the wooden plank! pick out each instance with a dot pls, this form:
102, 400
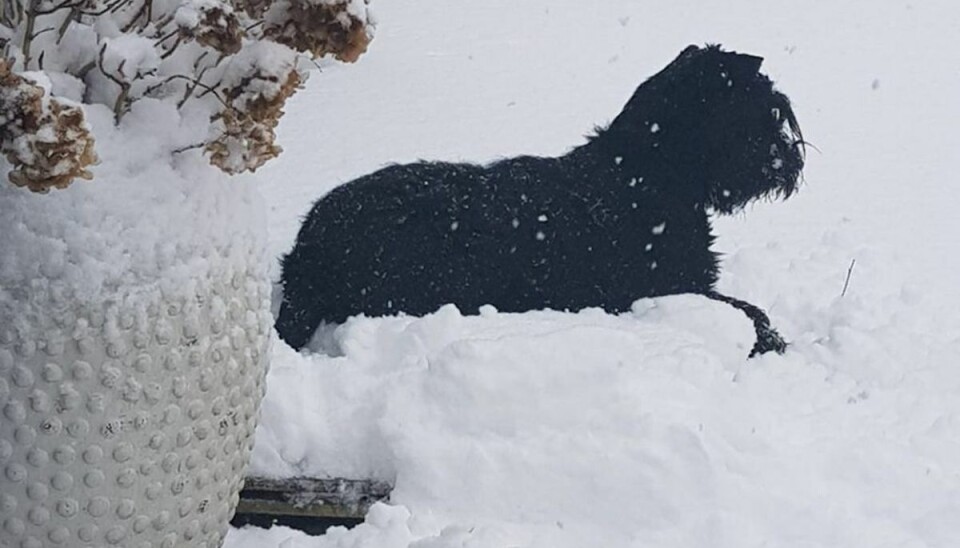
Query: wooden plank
331, 499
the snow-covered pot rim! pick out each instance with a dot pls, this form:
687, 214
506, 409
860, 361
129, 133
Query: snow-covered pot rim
134, 324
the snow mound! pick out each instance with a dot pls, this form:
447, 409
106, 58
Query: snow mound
509, 375
850, 439
551, 429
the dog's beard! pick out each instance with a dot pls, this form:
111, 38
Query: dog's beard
757, 167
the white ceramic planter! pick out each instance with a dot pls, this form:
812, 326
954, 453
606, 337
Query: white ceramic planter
131, 423
128, 393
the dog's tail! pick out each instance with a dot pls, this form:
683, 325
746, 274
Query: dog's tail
767, 337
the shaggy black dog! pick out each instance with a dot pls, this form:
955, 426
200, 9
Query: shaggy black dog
621, 217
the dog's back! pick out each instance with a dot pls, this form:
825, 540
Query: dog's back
521, 234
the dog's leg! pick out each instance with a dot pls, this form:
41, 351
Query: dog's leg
296, 326
767, 337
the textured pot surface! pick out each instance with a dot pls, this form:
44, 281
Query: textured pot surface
131, 423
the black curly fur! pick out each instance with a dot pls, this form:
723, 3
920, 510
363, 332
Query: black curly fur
624, 216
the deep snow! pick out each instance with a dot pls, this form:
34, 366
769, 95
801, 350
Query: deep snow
149, 222
647, 429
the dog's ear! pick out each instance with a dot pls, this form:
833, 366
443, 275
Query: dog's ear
688, 52
748, 63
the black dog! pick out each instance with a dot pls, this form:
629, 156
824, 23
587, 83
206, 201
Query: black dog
622, 217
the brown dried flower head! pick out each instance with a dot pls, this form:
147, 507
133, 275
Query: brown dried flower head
48, 142
218, 27
248, 139
320, 28
253, 8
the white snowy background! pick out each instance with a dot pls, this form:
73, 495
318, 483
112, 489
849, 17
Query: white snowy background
650, 429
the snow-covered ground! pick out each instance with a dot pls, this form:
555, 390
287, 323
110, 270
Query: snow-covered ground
563, 430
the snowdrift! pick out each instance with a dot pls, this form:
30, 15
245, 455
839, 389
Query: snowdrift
563, 430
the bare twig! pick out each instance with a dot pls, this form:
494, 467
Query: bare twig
82, 73
28, 32
6, 18
165, 37
120, 104
73, 16
181, 150
196, 63
57, 7
188, 92
173, 48
109, 8
39, 32
195, 81
161, 24
142, 16
18, 10
846, 282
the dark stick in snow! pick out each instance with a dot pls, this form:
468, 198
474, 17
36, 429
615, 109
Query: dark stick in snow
308, 504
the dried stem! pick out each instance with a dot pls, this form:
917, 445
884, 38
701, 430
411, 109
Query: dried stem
72, 16
173, 48
183, 149
111, 7
846, 282
188, 92
194, 81
65, 4
5, 16
28, 31
120, 104
141, 16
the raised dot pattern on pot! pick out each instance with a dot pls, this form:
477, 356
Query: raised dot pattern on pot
127, 427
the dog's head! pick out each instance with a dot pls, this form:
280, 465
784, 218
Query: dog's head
714, 121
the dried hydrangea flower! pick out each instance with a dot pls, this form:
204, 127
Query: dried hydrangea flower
47, 140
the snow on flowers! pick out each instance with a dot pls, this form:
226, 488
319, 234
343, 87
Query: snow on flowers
237, 61
46, 140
